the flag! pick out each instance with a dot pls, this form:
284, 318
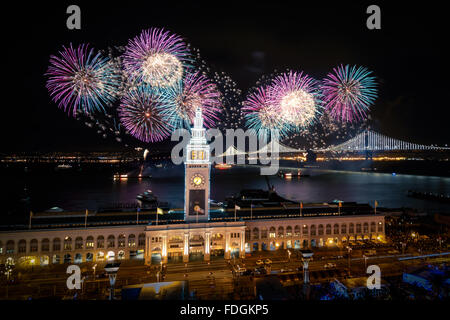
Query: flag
376, 203
139, 209
236, 207
301, 205
340, 204
87, 212
31, 214
159, 211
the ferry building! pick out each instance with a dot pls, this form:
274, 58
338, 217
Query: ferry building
197, 234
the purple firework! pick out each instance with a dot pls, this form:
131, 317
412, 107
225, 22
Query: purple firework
196, 90
261, 115
349, 92
296, 97
139, 112
156, 57
81, 80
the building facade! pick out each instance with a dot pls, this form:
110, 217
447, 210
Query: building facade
197, 237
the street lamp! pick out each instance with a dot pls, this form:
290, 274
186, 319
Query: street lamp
94, 267
112, 269
289, 255
306, 257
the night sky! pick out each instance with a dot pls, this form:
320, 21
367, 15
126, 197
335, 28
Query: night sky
406, 55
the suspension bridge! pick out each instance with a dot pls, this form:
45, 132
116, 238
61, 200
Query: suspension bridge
366, 141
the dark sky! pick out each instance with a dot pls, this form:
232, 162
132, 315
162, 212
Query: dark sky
407, 56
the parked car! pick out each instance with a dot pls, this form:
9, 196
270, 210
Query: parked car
330, 265
259, 262
267, 261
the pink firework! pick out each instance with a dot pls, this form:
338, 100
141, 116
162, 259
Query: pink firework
196, 90
296, 97
156, 57
140, 113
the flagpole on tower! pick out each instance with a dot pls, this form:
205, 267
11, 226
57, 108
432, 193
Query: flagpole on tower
31, 214
85, 218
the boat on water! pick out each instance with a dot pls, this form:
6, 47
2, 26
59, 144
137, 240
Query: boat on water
222, 166
63, 166
291, 174
147, 197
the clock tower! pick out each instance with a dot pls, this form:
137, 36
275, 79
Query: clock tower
197, 165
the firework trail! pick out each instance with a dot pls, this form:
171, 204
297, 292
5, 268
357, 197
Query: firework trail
82, 80
139, 112
194, 91
156, 57
349, 92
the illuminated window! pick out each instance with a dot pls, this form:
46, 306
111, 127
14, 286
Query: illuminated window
201, 155
193, 155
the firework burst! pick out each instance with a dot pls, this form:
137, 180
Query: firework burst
296, 97
156, 57
349, 92
82, 80
261, 115
140, 113
194, 91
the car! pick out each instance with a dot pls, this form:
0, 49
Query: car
267, 261
340, 257
330, 265
259, 262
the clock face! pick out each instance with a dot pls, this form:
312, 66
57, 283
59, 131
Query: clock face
197, 180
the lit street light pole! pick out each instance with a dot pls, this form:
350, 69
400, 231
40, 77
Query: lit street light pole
111, 269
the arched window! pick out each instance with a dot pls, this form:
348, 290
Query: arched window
100, 242
272, 232
57, 245
100, 256
343, 228
89, 242
141, 240
328, 229
22, 246
247, 234
1, 247
305, 230
264, 233
365, 227
67, 244
121, 241
320, 230
289, 231
34, 245
255, 233
280, 232
89, 257
111, 241
336, 229
67, 258
313, 230
351, 228
10, 246
373, 227
79, 243
121, 255
297, 231
56, 258
380, 226
45, 245
358, 228
131, 241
